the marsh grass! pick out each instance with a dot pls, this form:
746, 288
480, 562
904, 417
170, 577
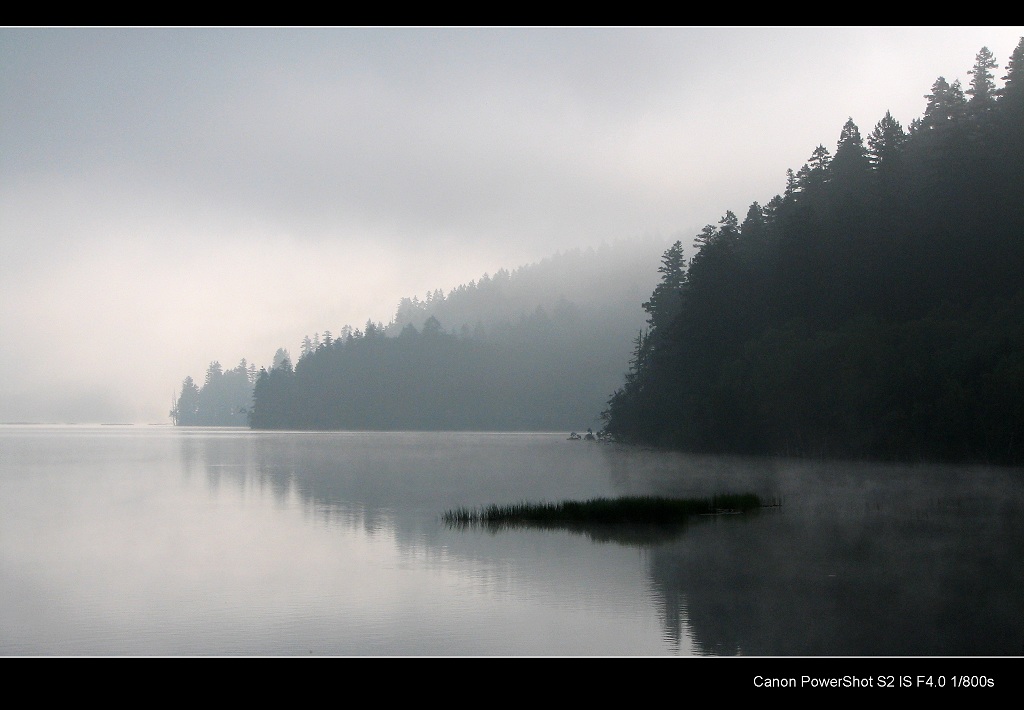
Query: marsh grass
636, 510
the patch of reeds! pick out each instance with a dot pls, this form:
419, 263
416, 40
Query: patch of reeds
631, 510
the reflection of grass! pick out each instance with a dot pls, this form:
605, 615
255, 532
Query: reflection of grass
632, 510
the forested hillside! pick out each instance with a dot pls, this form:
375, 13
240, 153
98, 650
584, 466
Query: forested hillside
537, 348
875, 308
599, 288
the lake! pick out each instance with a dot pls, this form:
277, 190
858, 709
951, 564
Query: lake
155, 540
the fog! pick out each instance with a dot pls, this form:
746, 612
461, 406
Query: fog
170, 197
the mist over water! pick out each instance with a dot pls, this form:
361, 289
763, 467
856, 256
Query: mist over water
181, 541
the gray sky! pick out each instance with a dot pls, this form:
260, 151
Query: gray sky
170, 197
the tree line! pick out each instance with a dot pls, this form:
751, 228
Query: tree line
535, 348
223, 399
872, 309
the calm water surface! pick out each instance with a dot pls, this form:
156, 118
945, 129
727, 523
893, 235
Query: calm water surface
152, 540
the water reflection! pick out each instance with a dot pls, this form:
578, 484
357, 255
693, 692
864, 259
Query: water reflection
171, 541
862, 559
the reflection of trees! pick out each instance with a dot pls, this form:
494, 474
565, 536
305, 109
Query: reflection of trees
860, 559
642, 536
420, 474
869, 564
286, 466
236, 459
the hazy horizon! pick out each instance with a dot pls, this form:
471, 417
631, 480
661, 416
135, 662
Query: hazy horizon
169, 197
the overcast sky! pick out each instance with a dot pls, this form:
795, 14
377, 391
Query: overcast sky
169, 197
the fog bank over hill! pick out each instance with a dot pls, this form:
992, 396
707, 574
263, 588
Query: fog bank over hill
603, 286
174, 195
536, 348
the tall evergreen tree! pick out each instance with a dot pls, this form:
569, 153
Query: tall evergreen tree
729, 227
667, 298
1010, 106
186, 410
885, 144
792, 186
213, 374
706, 236
753, 241
1013, 88
946, 105
282, 360
815, 172
983, 95
850, 167
983, 86
850, 149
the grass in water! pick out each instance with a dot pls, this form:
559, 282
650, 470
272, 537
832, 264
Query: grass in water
632, 510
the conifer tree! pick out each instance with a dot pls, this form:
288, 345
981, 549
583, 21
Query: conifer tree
729, 229
885, 143
1014, 79
983, 88
792, 186
706, 236
753, 231
815, 172
186, 408
666, 300
983, 94
850, 166
946, 105
1010, 104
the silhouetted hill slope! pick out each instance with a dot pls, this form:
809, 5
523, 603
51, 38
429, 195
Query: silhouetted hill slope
874, 309
537, 348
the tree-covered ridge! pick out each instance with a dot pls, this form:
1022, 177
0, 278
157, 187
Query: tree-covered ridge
873, 309
367, 380
536, 348
591, 288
